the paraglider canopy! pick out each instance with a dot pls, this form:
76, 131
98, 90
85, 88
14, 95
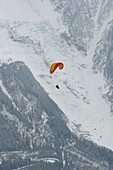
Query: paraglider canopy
54, 67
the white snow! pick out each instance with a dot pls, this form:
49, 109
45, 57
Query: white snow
51, 160
80, 93
44, 117
6, 92
45, 11
16, 10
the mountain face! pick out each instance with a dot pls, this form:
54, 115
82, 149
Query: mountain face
90, 23
103, 60
78, 16
34, 132
85, 19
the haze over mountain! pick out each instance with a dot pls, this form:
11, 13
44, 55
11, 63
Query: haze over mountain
78, 33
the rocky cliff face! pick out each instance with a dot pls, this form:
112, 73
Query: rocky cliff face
82, 17
90, 25
78, 16
34, 132
103, 59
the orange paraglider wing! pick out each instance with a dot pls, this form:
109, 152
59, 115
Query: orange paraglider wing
54, 67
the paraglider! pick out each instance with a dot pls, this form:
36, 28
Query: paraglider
54, 67
57, 86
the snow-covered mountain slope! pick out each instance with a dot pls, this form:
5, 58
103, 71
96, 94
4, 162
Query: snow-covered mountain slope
33, 32
34, 131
